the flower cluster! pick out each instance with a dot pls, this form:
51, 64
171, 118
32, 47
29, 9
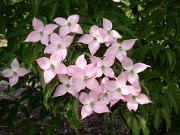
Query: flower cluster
14, 72
93, 83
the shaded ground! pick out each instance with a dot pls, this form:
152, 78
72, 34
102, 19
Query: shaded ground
91, 125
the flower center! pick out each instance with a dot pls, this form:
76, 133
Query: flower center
108, 32
105, 93
118, 89
52, 66
94, 38
91, 103
68, 85
41, 33
133, 97
58, 45
69, 23
14, 73
102, 67
85, 77
120, 48
132, 71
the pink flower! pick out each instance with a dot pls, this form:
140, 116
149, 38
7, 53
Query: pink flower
104, 66
132, 70
107, 25
118, 88
134, 100
66, 86
69, 25
41, 32
91, 104
59, 44
95, 37
84, 75
52, 66
106, 90
119, 49
14, 72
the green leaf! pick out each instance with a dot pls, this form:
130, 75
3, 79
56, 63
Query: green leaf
84, 4
144, 126
142, 51
128, 116
36, 5
53, 9
156, 49
42, 82
71, 114
2, 25
48, 130
48, 91
31, 129
135, 126
171, 59
166, 117
148, 75
172, 95
67, 6
157, 118
177, 35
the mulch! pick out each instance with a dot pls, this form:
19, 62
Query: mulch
91, 125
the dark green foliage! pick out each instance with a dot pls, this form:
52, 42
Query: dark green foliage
156, 25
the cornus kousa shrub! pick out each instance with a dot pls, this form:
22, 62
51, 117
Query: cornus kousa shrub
91, 79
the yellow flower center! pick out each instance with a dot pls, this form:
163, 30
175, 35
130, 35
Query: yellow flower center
118, 89
69, 23
41, 33
14, 73
58, 45
68, 85
52, 66
91, 103
133, 97
85, 77
94, 38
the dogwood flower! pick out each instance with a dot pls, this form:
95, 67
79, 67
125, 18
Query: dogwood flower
134, 100
14, 72
41, 32
69, 25
84, 75
119, 49
59, 44
95, 37
91, 104
106, 90
132, 70
104, 66
66, 86
52, 66
107, 25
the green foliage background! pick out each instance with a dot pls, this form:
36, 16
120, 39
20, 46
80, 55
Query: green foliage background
156, 25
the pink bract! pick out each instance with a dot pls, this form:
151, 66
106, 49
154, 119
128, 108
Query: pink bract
69, 25
91, 104
41, 32
120, 49
95, 37
14, 72
84, 75
52, 66
132, 70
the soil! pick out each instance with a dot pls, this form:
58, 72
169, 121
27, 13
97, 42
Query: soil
91, 125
